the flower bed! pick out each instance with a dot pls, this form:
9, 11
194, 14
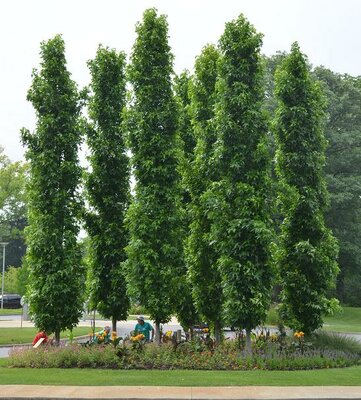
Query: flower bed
187, 355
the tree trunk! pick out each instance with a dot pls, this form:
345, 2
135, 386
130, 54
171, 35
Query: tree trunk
248, 341
217, 332
191, 333
157, 333
114, 324
57, 337
340, 286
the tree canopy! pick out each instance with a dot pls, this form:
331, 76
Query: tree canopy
154, 216
53, 256
108, 185
308, 251
239, 200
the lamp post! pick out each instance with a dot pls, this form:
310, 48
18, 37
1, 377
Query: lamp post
3, 244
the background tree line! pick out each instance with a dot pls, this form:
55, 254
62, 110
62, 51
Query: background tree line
199, 225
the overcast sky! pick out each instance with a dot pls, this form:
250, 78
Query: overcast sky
328, 31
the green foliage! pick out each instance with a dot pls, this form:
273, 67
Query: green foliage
182, 88
335, 341
154, 216
12, 208
342, 128
239, 202
307, 255
22, 278
343, 172
184, 305
187, 356
53, 255
200, 255
16, 279
11, 280
108, 185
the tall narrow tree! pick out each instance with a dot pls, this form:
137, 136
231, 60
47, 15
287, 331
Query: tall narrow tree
241, 220
200, 255
154, 216
308, 250
184, 305
108, 184
53, 254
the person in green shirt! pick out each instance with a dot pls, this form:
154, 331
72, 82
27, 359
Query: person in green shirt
145, 328
103, 336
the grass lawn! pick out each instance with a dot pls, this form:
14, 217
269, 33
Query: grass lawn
347, 321
11, 311
26, 335
97, 377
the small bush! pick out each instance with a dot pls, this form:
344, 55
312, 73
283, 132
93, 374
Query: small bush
335, 341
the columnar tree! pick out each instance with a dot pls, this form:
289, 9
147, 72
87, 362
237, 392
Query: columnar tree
53, 256
154, 217
308, 250
184, 305
200, 255
185, 129
108, 185
239, 201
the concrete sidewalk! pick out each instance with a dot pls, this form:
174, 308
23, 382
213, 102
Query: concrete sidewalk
179, 393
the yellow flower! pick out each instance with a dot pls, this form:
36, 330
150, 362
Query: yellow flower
205, 330
169, 333
273, 338
137, 338
114, 335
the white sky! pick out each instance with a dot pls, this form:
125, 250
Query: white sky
328, 31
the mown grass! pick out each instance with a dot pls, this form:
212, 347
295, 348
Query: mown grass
349, 320
11, 311
88, 377
10, 336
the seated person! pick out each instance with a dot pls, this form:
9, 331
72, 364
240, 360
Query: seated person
41, 335
145, 328
103, 336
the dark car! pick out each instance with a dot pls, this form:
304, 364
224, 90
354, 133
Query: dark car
11, 301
